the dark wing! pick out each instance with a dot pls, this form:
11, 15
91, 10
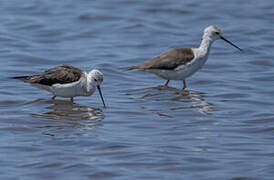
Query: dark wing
169, 60
58, 75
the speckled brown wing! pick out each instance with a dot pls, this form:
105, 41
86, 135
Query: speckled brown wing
169, 60
58, 75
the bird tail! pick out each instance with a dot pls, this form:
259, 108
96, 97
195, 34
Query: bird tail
129, 68
22, 78
19, 77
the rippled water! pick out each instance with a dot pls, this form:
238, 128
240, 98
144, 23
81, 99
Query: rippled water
221, 127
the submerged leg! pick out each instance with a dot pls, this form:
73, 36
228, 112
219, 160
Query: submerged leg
166, 83
184, 84
71, 99
53, 97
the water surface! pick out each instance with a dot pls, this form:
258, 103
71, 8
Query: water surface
221, 127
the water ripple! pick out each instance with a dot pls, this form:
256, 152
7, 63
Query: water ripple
220, 127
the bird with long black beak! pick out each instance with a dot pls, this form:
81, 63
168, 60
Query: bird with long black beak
67, 81
181, 63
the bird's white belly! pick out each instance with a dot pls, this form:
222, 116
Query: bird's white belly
67, 90
181, 72
70, 90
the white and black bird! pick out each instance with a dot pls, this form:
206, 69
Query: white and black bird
66, 81
181, 63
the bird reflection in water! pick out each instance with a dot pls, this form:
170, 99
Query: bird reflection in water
69, 115
166, 95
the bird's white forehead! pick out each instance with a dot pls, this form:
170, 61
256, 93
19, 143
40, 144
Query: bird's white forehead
212, 29
97, 74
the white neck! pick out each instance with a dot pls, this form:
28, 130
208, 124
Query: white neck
89, 85
205, 45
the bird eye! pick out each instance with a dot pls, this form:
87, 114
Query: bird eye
217, 33
95, 80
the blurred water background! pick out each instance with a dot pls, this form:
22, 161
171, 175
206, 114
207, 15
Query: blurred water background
221, 127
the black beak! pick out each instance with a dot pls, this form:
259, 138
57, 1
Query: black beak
100, 92
230, 43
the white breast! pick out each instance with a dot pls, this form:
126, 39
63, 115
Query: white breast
183, 71
78, 88
196, 64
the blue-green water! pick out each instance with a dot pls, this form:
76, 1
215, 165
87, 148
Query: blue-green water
221, 127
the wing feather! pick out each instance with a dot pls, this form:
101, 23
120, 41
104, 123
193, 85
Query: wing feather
58, 75
169, 60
